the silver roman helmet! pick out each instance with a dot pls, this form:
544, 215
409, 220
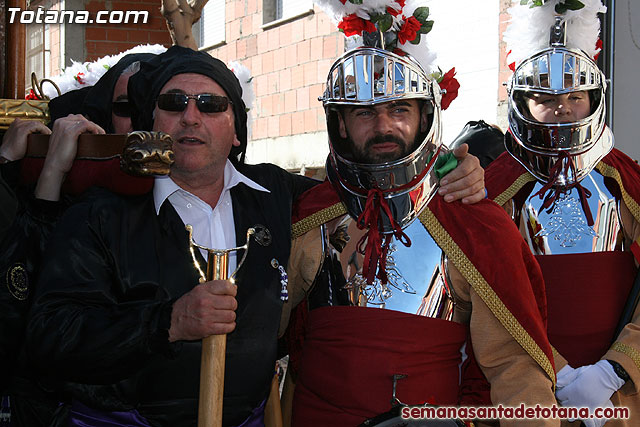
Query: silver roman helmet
560, 152
368, 76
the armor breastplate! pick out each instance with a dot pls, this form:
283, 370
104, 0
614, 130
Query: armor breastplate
418, 279
563, 228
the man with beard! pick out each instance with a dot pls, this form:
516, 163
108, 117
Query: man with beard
397, 291
120, 290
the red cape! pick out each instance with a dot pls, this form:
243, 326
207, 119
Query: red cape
486, 247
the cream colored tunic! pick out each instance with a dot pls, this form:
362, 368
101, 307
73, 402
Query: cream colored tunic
514, 376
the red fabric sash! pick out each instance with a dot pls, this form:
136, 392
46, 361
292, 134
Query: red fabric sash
350, 355
491, 242
585, 297
88, 173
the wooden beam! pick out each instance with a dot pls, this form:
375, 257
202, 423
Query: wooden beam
14, 86
3, 47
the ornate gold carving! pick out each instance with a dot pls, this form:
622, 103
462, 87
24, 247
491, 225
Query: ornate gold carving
11, 109
18, 282
317, 219
482, 288
147, 153
627, 350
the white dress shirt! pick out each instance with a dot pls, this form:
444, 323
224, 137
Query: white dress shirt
212, 228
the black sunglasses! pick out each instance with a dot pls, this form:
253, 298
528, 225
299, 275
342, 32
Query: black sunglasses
206, 102
121, 108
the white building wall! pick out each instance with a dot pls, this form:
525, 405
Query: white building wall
465, 36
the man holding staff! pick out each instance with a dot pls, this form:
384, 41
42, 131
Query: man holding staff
118, 302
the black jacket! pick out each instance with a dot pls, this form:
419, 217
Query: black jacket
111, 272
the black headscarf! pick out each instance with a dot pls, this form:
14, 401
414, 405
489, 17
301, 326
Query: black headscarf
97, 103
68, 103
144, 88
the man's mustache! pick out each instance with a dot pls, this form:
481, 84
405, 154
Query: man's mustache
381, 139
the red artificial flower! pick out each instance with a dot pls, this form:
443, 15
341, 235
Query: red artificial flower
31, 95
343, 1
598, 46
353, 25
409, 30
401, 3
511, 65
449, 83
391, 11
79, 78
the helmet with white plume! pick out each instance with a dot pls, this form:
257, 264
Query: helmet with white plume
552, 48
388, 61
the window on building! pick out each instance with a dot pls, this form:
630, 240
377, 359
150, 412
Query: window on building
210, 29
275, 10
38, 54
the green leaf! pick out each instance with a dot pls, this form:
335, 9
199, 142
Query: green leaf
385, 22
421, 13
534, 3
569, 5
416, 40
426, 27
355, 1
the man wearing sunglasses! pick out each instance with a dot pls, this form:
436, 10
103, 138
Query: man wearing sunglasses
124, 297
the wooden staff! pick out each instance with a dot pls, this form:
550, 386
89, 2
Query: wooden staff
214, 347
213, 356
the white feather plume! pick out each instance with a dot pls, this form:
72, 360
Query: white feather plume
91, 71
420, 52
337, 11
528, 30
246, 82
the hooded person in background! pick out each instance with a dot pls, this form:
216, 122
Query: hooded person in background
575, 200
37, 211
486, 142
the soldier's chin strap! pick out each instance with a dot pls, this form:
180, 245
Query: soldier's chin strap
371, 244
562, 167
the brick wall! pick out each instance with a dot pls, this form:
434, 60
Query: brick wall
109, 39
289, 63
505, 73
